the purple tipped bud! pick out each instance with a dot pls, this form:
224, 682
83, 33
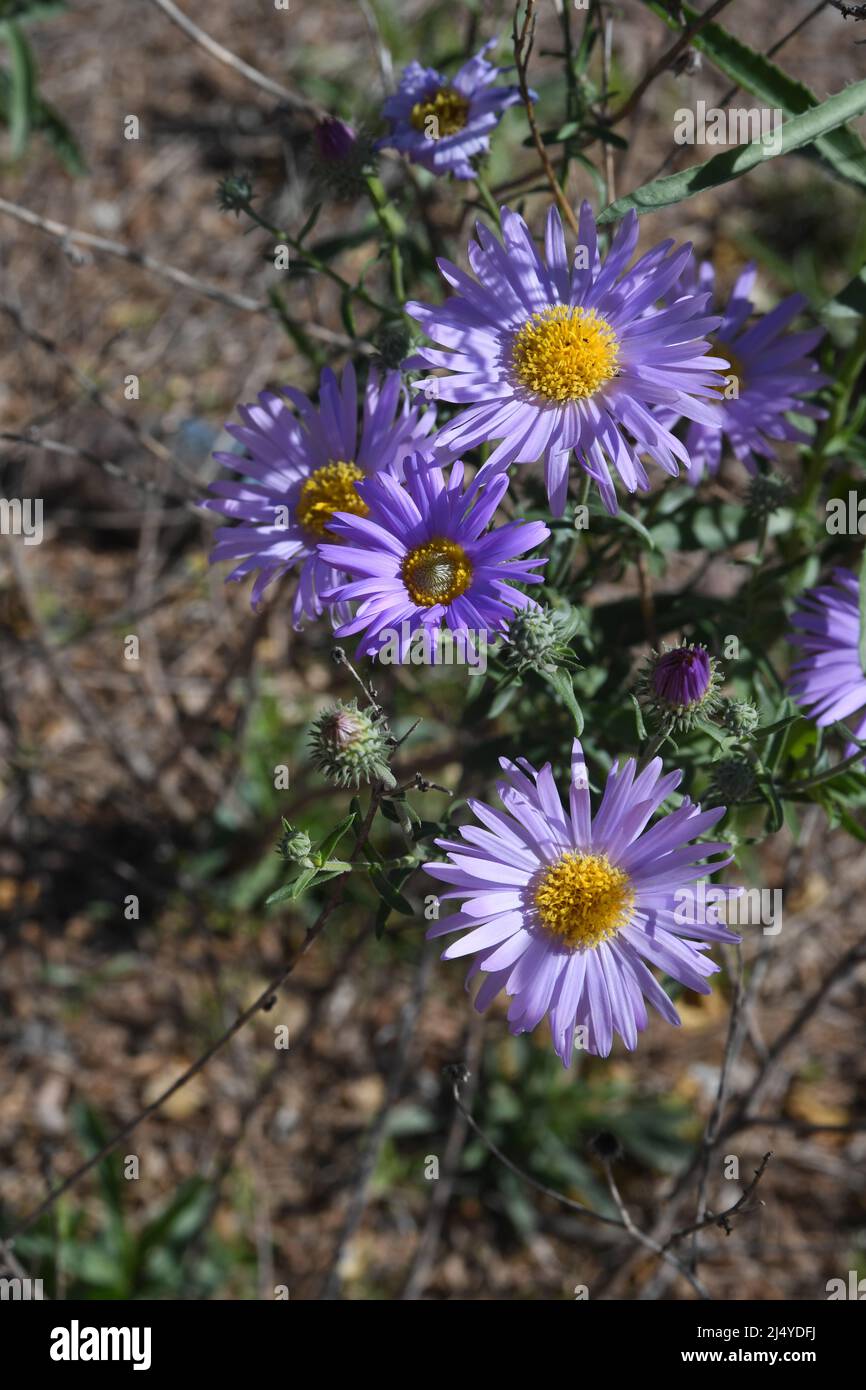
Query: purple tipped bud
334, 140
682, 676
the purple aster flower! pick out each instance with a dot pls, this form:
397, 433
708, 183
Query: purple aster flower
302, 468
548, 358
566, 912
828, 680
442, 123
769, 370
422, 558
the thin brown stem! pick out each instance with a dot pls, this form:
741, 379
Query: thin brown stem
231, 60
523, 36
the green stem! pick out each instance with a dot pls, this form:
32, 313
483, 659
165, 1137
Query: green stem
852, 365
486, 196
797, 788
313, 260
394, 227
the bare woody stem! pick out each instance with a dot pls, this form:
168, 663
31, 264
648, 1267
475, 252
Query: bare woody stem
523, 35
231, 60
664, 62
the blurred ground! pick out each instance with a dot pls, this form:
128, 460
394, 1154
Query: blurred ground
155, 778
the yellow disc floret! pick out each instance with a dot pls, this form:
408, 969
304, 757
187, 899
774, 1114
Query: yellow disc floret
583, 899
447, 108
437, 572
565, 354
329, 489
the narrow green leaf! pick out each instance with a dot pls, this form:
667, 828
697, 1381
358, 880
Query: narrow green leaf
309, 224
291, 891
326, 846
638, 719
389, 894
796, 133
564, 687
769, 729
635, 525
853, 298
23, 94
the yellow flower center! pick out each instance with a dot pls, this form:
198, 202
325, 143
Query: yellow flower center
735, 370
449, 109
437, 572
329, 489
583, 899
565, 354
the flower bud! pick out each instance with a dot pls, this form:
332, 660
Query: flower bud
351, 746
679, 686
739, 717
295, 845
234, 193
334, 139
733, 779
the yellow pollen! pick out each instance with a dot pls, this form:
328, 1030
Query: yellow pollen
735, 370
565, 354
437, 572
329, 489
583, 899
448, 108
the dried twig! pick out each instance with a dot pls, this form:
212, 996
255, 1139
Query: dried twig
425, 1253
646, 1240
231, 60
723, 1218
523, 36
666, 60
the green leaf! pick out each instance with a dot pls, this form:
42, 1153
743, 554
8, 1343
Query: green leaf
347, 314
52, 125
797, 133
564, 687
293, 890
769, 729
25, 11
23, 94
775, 815
638, 719
843, 149
389, 894
853, 298
309, 224
326, 846
638, 526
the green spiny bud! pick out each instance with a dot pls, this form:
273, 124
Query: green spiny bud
392, 340
739, 717
234, 193
351, 746
733, 779
534, 639
767, 493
